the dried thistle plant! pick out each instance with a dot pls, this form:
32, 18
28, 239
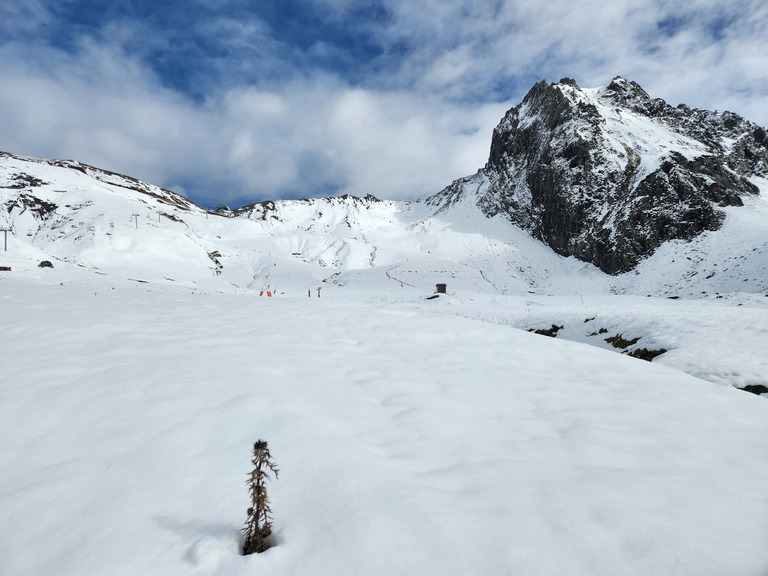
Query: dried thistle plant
258, 526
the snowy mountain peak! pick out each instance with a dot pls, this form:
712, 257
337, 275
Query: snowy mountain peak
16, 178
623, 90
662, 199
609, 174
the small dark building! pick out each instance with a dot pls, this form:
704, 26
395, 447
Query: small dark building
442, 289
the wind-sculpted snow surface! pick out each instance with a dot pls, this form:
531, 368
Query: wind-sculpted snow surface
721, 340
608, 175
409, 442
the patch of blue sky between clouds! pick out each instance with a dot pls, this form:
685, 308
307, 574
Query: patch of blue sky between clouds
199, 49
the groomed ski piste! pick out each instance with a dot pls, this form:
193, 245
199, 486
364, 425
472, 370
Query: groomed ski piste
413, 435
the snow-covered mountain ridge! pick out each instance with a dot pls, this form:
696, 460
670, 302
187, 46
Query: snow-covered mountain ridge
609, 174
668, 196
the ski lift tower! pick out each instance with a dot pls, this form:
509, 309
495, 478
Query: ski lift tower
5, 247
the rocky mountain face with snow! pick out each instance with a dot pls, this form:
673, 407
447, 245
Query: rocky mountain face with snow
661, 200
609, 174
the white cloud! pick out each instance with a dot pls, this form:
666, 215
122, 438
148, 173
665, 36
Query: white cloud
395, 145
711, 54
404, 133
317, 133
391, 145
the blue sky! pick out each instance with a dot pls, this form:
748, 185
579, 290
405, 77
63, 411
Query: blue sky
236, 101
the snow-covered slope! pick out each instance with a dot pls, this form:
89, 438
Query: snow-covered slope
408, 441
57, 211
75, 215
608, 175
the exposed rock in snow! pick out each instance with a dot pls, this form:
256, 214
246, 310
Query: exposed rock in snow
609, 174
665, 201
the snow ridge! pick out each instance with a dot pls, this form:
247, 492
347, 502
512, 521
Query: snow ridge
609, 174
607, 190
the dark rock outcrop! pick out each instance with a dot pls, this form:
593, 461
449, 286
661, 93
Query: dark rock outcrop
608, 175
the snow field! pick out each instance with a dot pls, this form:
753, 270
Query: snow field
721, 340
409, 442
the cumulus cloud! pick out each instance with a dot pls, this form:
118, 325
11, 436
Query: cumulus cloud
703, 52
317, 136
386, 97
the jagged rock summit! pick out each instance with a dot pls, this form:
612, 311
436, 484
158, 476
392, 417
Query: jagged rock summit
609, 174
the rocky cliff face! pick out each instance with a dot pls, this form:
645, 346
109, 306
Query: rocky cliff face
609, 174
